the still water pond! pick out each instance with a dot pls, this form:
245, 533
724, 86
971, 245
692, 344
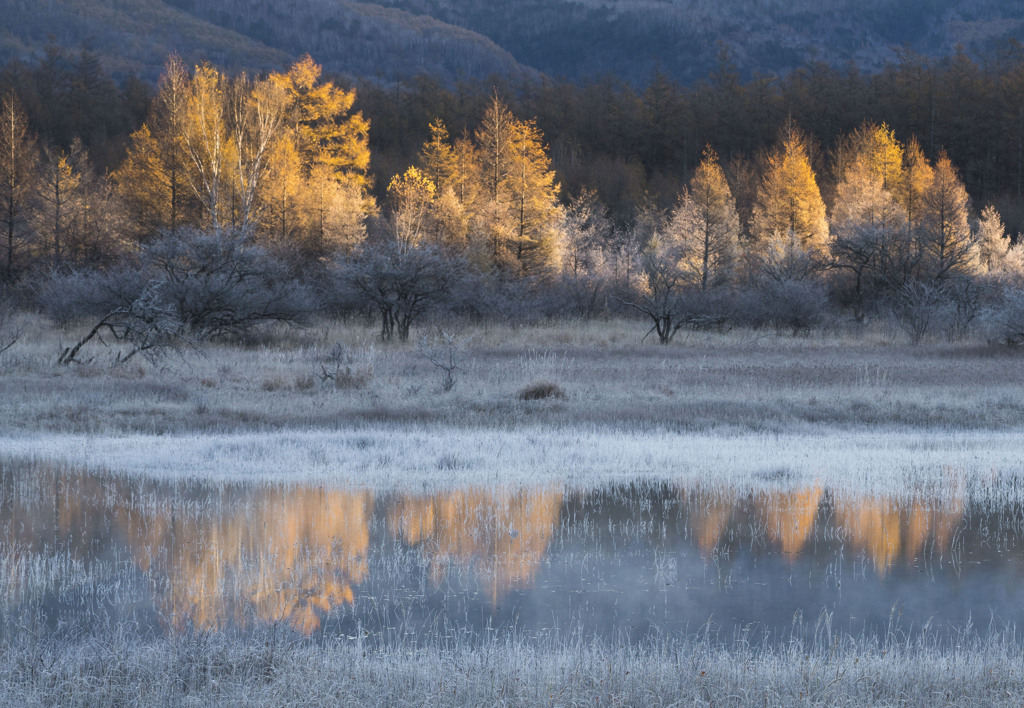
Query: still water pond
636, 562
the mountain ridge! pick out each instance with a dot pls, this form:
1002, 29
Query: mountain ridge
394, 40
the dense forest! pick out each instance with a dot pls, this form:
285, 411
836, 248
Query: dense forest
216, 201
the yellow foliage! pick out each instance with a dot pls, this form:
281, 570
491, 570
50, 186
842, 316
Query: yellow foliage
318, 115
788, 203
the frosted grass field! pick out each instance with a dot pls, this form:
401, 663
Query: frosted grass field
394, 457
232, 531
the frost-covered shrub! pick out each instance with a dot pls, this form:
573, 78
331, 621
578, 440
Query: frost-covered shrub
798, 305
215, 284
1004, 322
920, 307
222, 285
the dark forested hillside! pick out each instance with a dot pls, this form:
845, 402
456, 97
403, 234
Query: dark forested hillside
394, 40
355, 39
363, 39
632, 38
127, 35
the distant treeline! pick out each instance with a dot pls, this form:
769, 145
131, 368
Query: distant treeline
632, 146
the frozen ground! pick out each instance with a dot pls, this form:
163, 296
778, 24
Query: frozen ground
896, 464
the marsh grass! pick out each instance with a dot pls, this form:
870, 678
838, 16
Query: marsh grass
113, 645
269, 667
856, 410
741, 379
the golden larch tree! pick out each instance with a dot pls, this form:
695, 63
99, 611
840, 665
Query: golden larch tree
517, 207
151, 180
706, 227
58, 197
948, 244
324, 131
788, 206
536, 211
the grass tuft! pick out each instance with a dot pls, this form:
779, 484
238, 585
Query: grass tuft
541, 390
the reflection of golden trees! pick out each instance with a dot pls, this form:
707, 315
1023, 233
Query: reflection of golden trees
291, 554
789, 516
501, 533
287, 556
883, 528
886, 529
708, 514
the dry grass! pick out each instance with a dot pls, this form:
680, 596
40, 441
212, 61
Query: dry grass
746, 380
269, 668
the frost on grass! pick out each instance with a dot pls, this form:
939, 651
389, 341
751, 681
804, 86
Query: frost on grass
390, 457
271, 669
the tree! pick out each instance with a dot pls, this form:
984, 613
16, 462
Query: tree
868, 222
411, 196
659, 290
877, 151
494, 165
918, 174
318, 116
59, 194
948, 244
151, 179
336, 211
206, 141
997, 255
587, 231
283, 193
516, 207
400, 282
333, 155
589, 252
17, 171
788, 204
500, 186
256, 115
438, 158
705, 226
535, 202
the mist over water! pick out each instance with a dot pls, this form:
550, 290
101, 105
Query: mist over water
638, 562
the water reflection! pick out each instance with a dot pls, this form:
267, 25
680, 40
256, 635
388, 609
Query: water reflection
629, 561
502, 534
